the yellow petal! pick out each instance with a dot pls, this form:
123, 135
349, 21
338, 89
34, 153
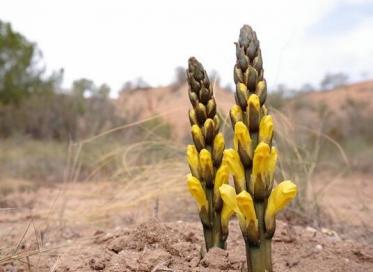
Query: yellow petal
228, 194
218, 148
197, 136
232, 159
236, 114
195, 188
261, 157
272, 162
264, 165
266, 129
242, 87
246, 205
193, 160
221, 177
205, 161
280, 196
241, 135
226, 214
254, 101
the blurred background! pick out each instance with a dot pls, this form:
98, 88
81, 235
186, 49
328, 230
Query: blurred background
93, 109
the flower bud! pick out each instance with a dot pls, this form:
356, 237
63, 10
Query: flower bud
242, 143
192, 117
232, 159
241, 95
198, 138
193, 160
242, 59
230, 206
193, 98
221, 177
207, 171
251, 76
195, 188
194, 85
266, 129
237, 74
217, 123
261, 91
218, 149
208, 131
246, 205
204, 95
201, 114
211, 108
258, 61
236, 114
264, 163
253, 111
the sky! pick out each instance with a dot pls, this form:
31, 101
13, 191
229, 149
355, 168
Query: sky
115, 41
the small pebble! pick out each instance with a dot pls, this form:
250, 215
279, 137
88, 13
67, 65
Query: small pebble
318, 247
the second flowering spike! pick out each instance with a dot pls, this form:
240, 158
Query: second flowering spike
205, 157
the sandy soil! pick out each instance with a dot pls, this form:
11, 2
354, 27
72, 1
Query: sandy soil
156, 246
105, 226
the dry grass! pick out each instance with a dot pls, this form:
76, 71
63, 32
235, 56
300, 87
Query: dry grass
300, 149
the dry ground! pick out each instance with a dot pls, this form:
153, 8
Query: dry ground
105, 226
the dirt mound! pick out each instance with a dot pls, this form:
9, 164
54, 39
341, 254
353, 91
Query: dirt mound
156, 246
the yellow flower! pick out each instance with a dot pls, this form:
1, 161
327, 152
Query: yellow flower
192, 117
205, 160
236, 114
208, 130
228, 194
198, 138
221, 177
266, 129
232, 159
226, 214
241, 94
253, 113
242, 136
264, 164
280, 196
246, 205
243, 206
193, 160
218, 148
254, 102
195, 188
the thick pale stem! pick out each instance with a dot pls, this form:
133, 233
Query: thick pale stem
268, 248
259, 257
213, 234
